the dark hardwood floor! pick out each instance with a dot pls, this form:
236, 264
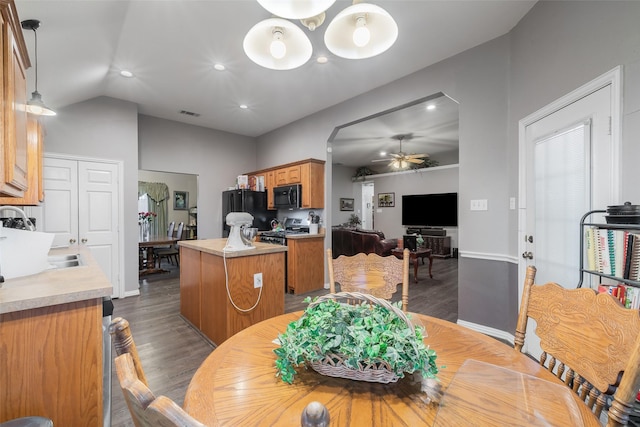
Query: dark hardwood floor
171, 350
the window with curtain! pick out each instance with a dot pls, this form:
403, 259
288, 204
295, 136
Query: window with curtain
153, 197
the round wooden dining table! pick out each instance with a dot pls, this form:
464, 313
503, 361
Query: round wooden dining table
237, 385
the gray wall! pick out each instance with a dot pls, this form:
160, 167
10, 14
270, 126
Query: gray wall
556, 48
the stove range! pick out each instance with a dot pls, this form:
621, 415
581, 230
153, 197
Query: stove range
279, 237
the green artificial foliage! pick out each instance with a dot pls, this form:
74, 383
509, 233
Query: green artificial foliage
358, 333
354, 220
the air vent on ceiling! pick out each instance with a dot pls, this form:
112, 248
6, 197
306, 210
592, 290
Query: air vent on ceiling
189, 113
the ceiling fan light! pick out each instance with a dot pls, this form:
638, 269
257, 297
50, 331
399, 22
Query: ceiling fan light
296, 9
339, 36
259, 40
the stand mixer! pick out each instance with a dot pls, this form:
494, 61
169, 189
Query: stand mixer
241, 234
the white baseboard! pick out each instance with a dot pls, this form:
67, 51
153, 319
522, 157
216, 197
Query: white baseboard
496, 333
132, 293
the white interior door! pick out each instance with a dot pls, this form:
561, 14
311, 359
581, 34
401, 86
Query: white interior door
367, 205
60, 208
569, 169
98, 214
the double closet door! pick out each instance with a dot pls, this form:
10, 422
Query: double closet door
81, 208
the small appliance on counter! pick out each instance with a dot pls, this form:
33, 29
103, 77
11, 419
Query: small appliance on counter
242, 233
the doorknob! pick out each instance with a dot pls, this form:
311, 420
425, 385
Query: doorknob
84, 240
527, 254
72, 241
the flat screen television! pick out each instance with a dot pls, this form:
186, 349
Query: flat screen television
430, 210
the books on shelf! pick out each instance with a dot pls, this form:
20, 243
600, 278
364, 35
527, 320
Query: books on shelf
629, 296
613, 252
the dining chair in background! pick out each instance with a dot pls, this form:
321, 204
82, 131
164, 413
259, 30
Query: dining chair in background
145, 408
173, 251
588, 340
370, 274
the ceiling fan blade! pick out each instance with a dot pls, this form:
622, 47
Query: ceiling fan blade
417, 161
416, 156
381, 160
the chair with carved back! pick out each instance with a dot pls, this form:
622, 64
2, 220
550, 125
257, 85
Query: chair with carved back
370, 274
588, 340
146, 409
123, 343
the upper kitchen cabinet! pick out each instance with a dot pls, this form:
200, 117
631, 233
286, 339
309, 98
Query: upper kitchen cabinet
14, 146
288, 175
308, 173
34, 193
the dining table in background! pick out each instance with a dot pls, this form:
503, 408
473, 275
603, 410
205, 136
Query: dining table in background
237, 384
147, 262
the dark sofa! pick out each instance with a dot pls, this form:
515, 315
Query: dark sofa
350, 241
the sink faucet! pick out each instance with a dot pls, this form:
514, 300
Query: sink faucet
27, 222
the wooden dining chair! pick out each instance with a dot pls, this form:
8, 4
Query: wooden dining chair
146, 409
588, 340
123, 343
371, 274
173, 252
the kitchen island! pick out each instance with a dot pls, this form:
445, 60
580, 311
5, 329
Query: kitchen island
220, 292
51, 354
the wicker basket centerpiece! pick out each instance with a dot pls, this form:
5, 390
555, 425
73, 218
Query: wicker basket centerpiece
355, 336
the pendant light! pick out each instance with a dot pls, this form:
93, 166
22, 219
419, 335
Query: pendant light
360, 31
277, 44
36, 105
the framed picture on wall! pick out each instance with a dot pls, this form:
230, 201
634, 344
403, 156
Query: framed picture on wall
386, 200
180, 200
346, 204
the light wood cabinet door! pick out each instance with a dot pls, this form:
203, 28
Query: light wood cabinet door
35, 190
294, 174
54, 368
281, 177
15, 61
312, 179
305, 265
269, 183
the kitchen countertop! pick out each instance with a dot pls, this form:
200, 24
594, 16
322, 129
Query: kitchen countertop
216, 247
305, 236
56, 286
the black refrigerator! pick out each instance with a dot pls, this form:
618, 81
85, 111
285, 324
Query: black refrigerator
253, 202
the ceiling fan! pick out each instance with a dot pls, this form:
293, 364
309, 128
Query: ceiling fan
401, 160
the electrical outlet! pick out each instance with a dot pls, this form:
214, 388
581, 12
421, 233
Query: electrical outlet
257, 280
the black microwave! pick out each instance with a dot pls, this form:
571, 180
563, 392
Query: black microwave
287, 197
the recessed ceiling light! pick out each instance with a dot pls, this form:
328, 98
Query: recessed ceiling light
322, 59
219, 67
244, 106
383, 153
126, 73
431, 107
